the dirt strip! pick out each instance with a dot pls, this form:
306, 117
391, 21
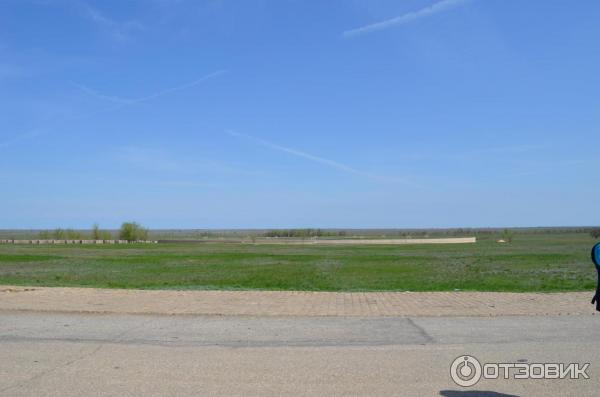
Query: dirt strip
293, 303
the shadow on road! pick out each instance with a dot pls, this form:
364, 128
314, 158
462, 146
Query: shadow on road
474, 393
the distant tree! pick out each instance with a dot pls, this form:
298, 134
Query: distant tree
507, 235
595, 232
65, 234
96, 232
132, 231
99, 234
71, 234
105, 235
45, 235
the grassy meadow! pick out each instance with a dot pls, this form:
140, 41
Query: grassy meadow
532, 262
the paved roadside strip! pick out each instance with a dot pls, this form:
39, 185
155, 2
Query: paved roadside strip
85, 354
293, 303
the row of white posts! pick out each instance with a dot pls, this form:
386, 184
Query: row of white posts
8, 241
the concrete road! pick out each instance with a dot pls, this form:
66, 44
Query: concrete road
50, 354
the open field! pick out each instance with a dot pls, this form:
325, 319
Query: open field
533, 262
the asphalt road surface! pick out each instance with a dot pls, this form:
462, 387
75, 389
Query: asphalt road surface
51, 354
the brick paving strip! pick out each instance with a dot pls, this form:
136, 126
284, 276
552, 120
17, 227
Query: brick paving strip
293, 303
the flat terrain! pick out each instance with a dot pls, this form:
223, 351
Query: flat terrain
532, 262
53, 354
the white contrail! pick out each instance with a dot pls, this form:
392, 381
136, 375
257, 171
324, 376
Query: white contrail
131, 102
98, 95
22, 136
313, 158
180, 87
121, 103
405, 18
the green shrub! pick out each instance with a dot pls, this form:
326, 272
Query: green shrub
73, 234
45, 235
65, 234
507, 235
105, 235
98, 234
132, 231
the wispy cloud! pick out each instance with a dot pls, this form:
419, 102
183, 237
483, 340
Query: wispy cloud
316, 159
119, 30
435, 8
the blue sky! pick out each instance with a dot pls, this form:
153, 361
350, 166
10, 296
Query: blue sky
289, 113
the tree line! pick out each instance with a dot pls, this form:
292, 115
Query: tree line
305, 233
130, 231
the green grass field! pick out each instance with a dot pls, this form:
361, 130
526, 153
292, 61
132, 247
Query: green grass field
532, 262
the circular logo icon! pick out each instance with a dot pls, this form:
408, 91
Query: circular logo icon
465, 371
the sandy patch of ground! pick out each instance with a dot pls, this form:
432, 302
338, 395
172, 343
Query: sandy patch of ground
293, 303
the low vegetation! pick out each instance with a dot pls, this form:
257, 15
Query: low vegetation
132, 231
61, 234
532, 262
303, 233
98, 234
507, 235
